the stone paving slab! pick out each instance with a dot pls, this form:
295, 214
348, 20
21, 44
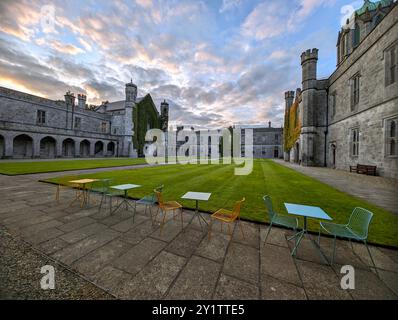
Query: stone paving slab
279, 263
153, 281
229, 288
274, 289
197, 280
133, 261
139, 255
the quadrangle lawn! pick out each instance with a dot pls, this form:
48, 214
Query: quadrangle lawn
26, 167
281, 183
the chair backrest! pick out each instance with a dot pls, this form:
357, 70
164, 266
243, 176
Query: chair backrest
153, 195
359, 222
159, 196
268, 204
237, 207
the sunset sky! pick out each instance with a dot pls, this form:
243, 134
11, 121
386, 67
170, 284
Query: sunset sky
217, 62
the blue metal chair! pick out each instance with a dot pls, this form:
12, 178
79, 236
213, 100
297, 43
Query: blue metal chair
149, 201
278, 219
357, 229
102, 186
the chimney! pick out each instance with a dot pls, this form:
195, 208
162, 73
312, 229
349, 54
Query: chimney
269, 124
81, 101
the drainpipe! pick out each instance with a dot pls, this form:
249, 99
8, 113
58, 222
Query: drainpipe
327, 125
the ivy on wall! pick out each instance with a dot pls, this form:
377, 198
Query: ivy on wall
292, 126
144, 114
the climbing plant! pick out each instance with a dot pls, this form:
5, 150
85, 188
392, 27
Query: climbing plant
292, 126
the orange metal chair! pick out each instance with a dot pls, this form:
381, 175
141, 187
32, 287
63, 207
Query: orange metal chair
167, 206
227, 216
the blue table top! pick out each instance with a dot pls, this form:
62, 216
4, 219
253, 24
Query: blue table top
307, 211
125, 186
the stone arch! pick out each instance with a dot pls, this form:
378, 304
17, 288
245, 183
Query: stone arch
110, 149
48, 147
23, 146
99, 149
84, 148
2, 146
68, 148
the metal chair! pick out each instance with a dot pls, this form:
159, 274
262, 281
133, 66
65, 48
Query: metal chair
149, 201
227, 216
166, 206
356, 229
278, 219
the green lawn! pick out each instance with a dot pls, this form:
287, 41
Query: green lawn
268, 177
26, 167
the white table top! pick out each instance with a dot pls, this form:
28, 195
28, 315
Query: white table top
125, 186
203, 196
306, 211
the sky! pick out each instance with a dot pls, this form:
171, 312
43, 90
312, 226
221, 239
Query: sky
217, 62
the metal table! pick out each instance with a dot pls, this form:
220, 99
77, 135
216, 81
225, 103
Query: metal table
305, 212
197, 196
82, 193
125, 188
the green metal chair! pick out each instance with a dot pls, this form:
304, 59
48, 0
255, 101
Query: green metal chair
149, 201
102, 186
278, 219
356, 229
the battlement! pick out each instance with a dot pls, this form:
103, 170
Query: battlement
81, 96
289, 95
309, 55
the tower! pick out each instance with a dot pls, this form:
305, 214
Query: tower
70, 108
309, 134
289, 97
164, 115
131, 97
81, 98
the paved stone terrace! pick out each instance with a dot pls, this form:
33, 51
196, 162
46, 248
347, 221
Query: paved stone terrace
377, 190
131, 260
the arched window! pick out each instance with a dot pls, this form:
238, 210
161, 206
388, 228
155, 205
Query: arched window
392, 138
357, 35
392, 129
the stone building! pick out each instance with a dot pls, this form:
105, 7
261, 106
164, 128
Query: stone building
352, 116
267, 141
35, 127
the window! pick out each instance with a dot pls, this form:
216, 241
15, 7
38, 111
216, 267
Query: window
41, 117
276, 139
355, 142
392, 137
355, 92
357, 35
103, 127
391, 65
78, 123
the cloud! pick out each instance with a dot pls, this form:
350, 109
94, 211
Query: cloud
59, 46
228, 5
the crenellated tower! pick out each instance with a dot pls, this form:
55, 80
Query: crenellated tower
309, 60
164, 115
131, 98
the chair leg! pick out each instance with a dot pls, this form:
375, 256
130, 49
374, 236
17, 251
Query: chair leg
102, 199
210, 228
319, 237
371, 258
268, 231
163, 221
334, 251
57, 194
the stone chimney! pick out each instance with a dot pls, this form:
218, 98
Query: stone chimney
81, 98
269, 124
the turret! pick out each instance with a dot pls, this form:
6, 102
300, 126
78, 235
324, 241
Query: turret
70, 99
81, 98
164, 115
309, 61
289, 97
131, 92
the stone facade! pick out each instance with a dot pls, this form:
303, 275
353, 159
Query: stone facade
35, 127
267, 141
351, 117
